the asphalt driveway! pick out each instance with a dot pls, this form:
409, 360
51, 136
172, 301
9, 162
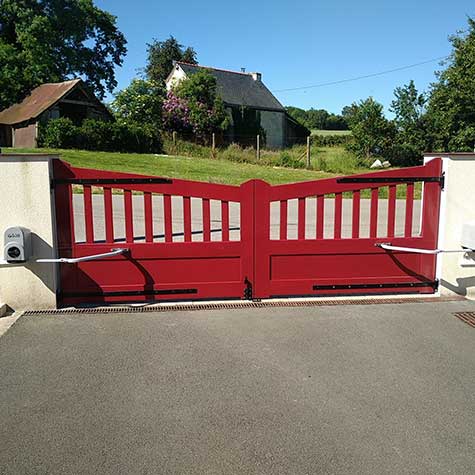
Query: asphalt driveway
332, 390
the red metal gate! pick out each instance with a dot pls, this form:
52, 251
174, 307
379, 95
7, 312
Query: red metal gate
216, 241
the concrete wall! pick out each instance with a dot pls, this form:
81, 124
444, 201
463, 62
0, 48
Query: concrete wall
456, 271
274, 125
25, 137
26, 200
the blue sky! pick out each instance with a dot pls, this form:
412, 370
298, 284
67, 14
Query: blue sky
300, 43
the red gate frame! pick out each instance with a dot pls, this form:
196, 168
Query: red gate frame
309, 267
256, 266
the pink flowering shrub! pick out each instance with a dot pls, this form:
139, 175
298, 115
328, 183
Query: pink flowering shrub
176, 114
193, 107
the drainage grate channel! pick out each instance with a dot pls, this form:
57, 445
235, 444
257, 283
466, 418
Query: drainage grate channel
193, 306
467, 317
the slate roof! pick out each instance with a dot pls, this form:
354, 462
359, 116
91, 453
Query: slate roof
239, 88
39, 100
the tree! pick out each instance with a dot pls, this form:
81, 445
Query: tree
54, 40
372, 132
141, 102
451, 107
300, 115
194, 106
336, 122
162, 54
411, 139
317, 118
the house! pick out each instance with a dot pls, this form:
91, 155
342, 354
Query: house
71, 99
249, 105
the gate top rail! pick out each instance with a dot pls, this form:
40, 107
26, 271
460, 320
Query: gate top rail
66, 175
428, 173
111, 181
399, 179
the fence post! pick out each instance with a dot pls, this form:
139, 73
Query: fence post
308, 152
213, 146
258, 148
174, 138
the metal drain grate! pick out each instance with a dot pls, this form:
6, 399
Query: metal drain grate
194, 306
467, 317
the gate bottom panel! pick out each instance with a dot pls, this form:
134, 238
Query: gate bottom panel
337, 268
162, 293
153, 273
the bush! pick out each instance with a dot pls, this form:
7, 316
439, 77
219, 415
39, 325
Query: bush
404, 155
58, 133
235, 153
101, 136
331, 140
287, 159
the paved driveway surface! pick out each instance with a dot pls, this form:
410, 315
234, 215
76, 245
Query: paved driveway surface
332, 390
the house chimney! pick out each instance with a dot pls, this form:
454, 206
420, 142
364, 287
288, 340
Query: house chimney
243, 70
256, 76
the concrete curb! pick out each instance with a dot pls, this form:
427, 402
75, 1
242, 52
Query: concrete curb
7, 322
238, 304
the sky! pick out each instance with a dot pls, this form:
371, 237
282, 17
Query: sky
301, 43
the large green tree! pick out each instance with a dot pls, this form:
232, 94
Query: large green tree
140, 103
408, 107
451, 108
53, 40
162, 54
372, 133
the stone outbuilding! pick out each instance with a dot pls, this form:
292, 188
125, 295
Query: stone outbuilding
19, 123
249, 104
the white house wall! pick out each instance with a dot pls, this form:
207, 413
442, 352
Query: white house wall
177, 76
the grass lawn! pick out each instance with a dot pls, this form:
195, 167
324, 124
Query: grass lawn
330, 132
336, 159
201, 169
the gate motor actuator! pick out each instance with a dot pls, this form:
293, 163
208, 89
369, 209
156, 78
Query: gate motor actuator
467, 242
17, 247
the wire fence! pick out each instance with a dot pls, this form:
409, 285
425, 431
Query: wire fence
288, 151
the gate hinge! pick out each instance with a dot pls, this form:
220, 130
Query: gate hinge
247, 289
442, 181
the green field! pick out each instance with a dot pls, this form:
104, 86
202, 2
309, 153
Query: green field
335, 160
201, 169
330, 132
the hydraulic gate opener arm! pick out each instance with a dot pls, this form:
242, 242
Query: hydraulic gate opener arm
66, 260
388, 247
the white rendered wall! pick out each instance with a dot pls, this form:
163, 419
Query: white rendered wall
26, 200
175, 77
456, 273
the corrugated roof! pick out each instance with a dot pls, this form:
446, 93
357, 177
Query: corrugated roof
238, 88
39, 100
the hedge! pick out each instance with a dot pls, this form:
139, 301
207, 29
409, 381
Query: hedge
331, 140
100, 136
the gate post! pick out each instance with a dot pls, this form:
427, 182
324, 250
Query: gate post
247, 238
262, 265
26, 199
456, 272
